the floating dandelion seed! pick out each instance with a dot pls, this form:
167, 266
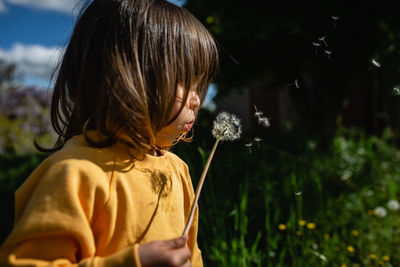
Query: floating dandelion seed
260, 119
335, 19
226, 127
316, 46
258, 114
257, 140
322, 39
296, 83
263, 121
328, 53
376, 63
249, 145
321, 256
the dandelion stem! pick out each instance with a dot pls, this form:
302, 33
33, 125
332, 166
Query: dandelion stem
199, 187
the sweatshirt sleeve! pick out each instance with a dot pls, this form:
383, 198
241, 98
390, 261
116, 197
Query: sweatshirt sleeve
54, 211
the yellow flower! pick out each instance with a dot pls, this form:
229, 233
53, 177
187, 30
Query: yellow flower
302, 222
371, 212
326, 236
282, 227
355, 233
343, 265
386, 258
350, 249
311, 225
372, 256
299, 233
210, 19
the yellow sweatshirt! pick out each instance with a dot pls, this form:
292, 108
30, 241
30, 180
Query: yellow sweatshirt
86, 206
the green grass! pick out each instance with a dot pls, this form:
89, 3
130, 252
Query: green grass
14, 169
313, 208
286, 204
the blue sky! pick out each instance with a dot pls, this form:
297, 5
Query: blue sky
34, 33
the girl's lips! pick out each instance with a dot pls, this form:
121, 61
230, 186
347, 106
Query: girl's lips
188, 126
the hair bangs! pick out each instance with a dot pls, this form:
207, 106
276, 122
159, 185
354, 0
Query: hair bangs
198, 54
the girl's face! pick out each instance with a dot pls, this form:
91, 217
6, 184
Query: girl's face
184, 122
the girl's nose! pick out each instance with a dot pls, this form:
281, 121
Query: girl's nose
194, 100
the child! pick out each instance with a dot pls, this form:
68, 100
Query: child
128, 88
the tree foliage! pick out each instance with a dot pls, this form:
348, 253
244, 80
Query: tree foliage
274, 39
24, 114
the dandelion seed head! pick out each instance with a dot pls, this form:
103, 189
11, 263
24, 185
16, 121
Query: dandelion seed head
298, 193
393, 204
375, 63
328, 52
346, 175
380, 211
227, 127
368, 193
316, 44
396, 90
335, 17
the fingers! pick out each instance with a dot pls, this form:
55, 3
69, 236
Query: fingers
177, 242
179, 257
187, 264
173, 252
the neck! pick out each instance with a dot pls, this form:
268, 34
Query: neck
155, 151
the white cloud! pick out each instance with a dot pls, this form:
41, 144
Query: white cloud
32, 60
66, 6
2, 7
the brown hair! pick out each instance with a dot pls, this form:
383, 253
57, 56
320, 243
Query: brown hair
121, 69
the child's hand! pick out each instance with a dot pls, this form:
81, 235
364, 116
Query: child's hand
173, 252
